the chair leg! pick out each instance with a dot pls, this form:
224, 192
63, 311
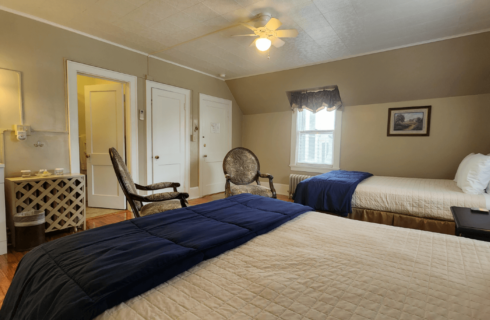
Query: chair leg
183, 203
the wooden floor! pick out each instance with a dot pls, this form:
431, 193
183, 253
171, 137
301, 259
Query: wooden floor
9, 261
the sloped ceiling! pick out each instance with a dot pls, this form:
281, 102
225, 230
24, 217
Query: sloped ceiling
328, 29
448, 68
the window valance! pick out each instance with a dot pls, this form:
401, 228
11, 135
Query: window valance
316, 101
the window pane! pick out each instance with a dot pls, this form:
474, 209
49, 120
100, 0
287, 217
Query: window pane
315, 148
322, 120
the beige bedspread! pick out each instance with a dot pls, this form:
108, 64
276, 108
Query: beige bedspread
425, 198
320, 266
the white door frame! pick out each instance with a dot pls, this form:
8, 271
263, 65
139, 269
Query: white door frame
149, 150
131, 112
228, 103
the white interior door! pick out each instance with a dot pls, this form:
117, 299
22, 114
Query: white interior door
168, 137
215, 142
104, 125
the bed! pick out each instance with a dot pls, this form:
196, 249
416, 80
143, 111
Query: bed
312, 266
325, 267
410, 202
422, 204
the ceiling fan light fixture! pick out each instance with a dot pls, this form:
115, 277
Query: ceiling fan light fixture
263, 44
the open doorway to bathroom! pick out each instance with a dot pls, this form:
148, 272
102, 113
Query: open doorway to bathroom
108, 118
101, 112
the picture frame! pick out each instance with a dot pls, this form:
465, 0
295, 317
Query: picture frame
409, 121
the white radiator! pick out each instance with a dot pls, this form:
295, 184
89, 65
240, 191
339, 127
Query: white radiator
294, 179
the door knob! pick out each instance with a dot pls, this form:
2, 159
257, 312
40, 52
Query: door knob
205, 156
87, 155
157, 157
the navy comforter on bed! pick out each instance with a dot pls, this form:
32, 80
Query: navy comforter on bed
82, 275
330, 191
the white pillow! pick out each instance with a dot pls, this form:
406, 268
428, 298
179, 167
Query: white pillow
475, 175
462, 165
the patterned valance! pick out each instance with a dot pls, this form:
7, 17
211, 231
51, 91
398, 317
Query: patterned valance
316, 101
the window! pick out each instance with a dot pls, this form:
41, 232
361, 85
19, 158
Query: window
315, 140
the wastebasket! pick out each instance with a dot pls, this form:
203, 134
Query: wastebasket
29, 229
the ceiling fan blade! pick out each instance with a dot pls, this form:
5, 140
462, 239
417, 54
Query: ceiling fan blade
253, 43
276, 42
292, 33
244, 35
248, 26
273, 24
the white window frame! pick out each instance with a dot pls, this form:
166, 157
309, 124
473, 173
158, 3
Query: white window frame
311, 167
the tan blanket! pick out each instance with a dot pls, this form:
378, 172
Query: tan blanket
425, 198
320, 266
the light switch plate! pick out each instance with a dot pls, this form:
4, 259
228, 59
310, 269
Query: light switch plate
20, 131
195, 130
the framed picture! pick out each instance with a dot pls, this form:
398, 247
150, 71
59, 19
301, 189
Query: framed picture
409, 121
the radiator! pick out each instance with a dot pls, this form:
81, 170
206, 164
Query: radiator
294, 179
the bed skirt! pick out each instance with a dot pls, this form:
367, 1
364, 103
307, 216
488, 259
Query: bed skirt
403, 220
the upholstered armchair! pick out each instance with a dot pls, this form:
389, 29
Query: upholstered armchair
159, 202
241, 167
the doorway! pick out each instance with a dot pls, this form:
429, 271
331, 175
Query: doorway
112, 122
168, 134
101, 126
214, 142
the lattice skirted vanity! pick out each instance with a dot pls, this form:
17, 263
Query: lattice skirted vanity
62, 198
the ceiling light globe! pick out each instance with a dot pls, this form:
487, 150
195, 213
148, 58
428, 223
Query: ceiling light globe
263, 44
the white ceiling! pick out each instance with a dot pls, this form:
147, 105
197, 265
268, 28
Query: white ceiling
328, 29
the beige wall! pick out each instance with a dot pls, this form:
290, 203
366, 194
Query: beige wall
449, 68
38, 50
451, 75
459, 126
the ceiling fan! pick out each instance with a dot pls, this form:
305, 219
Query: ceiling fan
267, 33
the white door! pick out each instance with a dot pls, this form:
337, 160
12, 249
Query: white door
215, 142
104, 126
168, 137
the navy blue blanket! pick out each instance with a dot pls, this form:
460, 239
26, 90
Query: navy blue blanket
330, 191
82, 275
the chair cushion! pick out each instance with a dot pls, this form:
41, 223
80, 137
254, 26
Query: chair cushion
156, 207
251, 188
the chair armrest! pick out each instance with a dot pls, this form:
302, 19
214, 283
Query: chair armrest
227, 176
160, 196
158, 186
266, 175
271, 184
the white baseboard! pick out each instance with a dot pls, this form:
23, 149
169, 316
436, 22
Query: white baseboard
194, 193
281, 188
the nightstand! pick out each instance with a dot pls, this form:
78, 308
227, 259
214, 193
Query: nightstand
471, 225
